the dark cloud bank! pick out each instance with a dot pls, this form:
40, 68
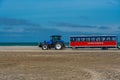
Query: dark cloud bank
64, 24
33, 27
16, 22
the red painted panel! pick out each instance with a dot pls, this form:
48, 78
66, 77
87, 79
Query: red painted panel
94, 44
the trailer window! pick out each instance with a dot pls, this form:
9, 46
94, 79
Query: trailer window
113, 38
103, 38
71, 38
92, 39
82, 39
78, 39
88, 39
108, 39
97, 39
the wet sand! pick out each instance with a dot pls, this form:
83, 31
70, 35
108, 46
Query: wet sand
32, 63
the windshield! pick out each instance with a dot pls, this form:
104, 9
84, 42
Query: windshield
55, 38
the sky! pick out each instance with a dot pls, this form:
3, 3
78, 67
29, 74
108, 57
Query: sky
36, 20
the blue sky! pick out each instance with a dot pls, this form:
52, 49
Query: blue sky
36, 20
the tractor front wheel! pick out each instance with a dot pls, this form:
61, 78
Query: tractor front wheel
58, 46
44, 47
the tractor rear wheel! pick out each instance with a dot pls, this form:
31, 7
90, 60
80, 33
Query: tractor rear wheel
58, 46
44, 47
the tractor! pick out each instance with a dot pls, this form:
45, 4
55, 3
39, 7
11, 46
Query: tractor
54, 42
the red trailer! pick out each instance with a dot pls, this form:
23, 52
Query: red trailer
97, 41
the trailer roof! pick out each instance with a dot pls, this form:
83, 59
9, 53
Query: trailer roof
93, 36
55, 36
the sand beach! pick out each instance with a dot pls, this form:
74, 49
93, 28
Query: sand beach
32, 63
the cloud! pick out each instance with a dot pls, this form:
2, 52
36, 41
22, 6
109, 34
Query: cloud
73, 28
84, 3
11, 30
21, 29
103, 27
16, 22
119, 27
84, 17
71, 25
112, 2
7, 28
34, 29
24, 29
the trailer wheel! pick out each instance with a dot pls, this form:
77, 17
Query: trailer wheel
44, 47
59, 46
118, 47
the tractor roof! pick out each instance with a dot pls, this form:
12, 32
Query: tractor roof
56, 36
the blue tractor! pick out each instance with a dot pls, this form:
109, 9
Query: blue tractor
54, 42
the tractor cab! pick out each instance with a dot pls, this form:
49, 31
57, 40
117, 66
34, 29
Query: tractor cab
55, 38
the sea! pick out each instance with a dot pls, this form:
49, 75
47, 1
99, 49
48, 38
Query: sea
26, 44
18, 44
23, 44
